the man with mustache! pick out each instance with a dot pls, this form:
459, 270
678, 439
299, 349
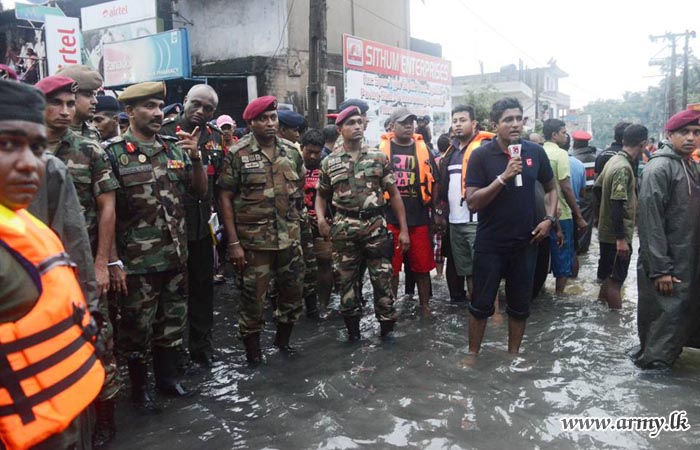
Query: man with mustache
501, 189
261, 194
88, 82
95, 185
155, 172
198, 109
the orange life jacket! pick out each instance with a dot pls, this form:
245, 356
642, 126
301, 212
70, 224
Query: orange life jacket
425, 171
475, 143
49, 372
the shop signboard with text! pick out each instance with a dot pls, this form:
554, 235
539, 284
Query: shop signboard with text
389, 77
162, 56
63, 42
118, 12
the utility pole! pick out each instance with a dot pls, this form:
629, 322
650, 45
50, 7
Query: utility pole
318, 73
672, 74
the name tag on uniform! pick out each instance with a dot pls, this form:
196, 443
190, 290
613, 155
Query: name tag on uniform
135, 169
250, 158
338, 167
176, 164
253, 165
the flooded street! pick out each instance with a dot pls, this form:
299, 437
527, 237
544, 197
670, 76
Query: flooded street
422, 391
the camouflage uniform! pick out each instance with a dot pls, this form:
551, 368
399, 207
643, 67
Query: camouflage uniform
92, 176
152, 241
359, 232
87, 131
200, 263
266, 213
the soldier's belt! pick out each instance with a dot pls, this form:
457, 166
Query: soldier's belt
363, 214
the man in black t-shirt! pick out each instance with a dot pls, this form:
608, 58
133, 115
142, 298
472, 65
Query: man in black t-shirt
413, 165
501, 189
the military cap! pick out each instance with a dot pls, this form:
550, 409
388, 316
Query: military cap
7, 73
148, 89
88, 79
259, 106
401, 115
56, 83
682, 119
347, 113
122, 116
581, 135
364, 107
172, 108
107, 103
291, 119
21, 101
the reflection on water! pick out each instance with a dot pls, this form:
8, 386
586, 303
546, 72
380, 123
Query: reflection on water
422, 391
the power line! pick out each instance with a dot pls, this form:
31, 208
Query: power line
377, 16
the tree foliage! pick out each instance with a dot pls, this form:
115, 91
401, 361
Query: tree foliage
481, 100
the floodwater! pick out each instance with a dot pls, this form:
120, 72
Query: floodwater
422, 391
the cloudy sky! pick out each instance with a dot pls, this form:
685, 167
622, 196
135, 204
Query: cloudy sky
604, 46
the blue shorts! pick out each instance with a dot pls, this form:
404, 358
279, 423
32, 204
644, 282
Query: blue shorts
517, 267
563, 257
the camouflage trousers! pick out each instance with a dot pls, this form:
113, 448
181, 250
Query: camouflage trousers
287, 268
310, 263
112, 383
356, 241
154, 313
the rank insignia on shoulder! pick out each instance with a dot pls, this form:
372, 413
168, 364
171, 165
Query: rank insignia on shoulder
176, 164
130, 147
123, 159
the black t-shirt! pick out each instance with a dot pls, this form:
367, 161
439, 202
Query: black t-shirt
507, 222
405, 163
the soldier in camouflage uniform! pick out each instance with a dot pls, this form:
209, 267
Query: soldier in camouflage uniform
260, 197
199, 106
154, 173
95, 185
355, 178
89, 81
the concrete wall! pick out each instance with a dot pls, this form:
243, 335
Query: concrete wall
228, 29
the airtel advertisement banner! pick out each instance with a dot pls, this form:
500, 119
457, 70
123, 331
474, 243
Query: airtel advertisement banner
118, 12
389, 77
63, 42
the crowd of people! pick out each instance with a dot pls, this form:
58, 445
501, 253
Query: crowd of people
132, 199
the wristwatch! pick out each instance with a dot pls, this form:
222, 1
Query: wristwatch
551, 219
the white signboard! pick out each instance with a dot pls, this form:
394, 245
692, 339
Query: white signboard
388, 77
94, 40
63, 42
117, 12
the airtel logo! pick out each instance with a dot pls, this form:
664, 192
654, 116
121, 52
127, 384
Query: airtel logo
115, 12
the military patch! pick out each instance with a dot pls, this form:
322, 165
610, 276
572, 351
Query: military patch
245, 159
253, 165
124, 159
176, 164
142, 158
135, 169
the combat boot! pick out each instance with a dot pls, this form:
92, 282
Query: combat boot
352, 323
253, 354
138, 375
311, 304
386, 327
284, 332
165, 367
104, 424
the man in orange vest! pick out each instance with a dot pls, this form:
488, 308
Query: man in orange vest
413, 168
41, 305
452, 200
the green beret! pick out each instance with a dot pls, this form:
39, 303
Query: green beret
88, 79
149, 89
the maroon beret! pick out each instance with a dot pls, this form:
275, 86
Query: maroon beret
259, 106
56, 83
7, 73
683, 118
346, 114
580, 135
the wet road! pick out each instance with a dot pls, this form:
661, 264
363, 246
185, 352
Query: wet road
422, 390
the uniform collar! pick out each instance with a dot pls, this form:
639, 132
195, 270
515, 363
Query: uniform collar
341, 150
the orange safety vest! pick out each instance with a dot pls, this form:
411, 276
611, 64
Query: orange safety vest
475, 143
425, 171
49, 371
